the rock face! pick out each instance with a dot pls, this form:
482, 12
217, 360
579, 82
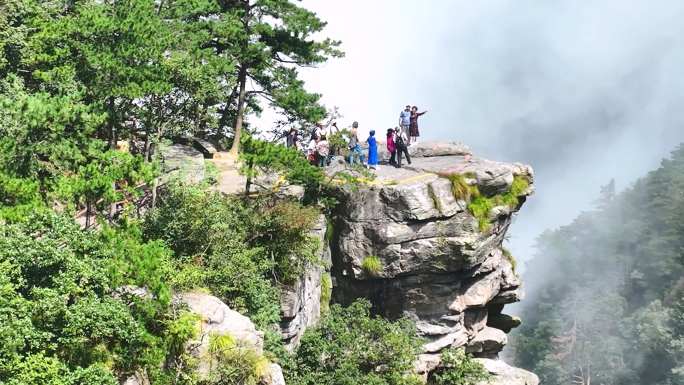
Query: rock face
504, 374
217, 319
440, 265
300, 305
182, 160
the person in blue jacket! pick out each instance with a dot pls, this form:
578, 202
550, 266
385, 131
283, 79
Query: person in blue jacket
372, 151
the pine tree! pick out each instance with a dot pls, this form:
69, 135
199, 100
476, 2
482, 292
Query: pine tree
274, 38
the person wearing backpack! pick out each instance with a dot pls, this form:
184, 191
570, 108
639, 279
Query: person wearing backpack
354, 144
391, 146
401, 139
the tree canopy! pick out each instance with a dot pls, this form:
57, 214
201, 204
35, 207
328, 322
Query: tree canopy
607, 306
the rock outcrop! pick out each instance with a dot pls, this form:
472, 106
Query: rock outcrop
182, 161
216, 320
300, 305
439, 264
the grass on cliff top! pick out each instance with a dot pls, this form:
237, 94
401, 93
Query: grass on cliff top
372, 266
479, 205
461, 189
510, 198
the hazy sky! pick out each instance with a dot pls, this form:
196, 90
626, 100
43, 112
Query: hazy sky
582, 90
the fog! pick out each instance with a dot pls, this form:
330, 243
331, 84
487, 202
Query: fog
583, 91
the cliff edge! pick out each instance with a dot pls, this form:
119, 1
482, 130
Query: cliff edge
425, 242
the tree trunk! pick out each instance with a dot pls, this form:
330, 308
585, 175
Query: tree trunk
248, 183
112, 146
242, 81
146, 151
112, 124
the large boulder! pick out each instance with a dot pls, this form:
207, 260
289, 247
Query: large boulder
182, 161
504, 374
216, 320
438, 265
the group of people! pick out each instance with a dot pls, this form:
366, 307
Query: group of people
320, 153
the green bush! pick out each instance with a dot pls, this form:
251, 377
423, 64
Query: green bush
372, 266
326, 292
457, 368
460, 188
234, 248
348, 346
61, 323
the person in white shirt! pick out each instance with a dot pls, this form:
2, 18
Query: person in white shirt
401, 140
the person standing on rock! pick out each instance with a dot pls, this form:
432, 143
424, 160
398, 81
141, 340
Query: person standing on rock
372, 151
413, 125
323, 149
405, 120
400, 139
355, 144
391, 147
312, 155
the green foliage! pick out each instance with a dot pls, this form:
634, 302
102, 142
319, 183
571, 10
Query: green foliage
284, 42
510, 198
433, 196
519, 186
614, 274
61, 322
326, 292
461, 189
350, 347
235, 251
338, 139
329, 230
457, 368
372, 266
233, 363
483, 224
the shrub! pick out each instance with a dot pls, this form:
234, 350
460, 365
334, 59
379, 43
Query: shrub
461, 189
233, 363
483, 224
519, 185
348, 346
234, 248
457, 368
60, 318
481, 207
372, 266
326, 293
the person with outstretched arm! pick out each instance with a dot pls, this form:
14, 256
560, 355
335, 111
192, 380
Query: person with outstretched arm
413, 126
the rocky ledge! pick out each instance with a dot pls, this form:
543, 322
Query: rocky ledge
425, 242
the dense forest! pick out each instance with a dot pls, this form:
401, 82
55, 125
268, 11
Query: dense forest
607, 304
79, 77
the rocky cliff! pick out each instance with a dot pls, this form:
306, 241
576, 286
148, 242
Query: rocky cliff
425, 242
